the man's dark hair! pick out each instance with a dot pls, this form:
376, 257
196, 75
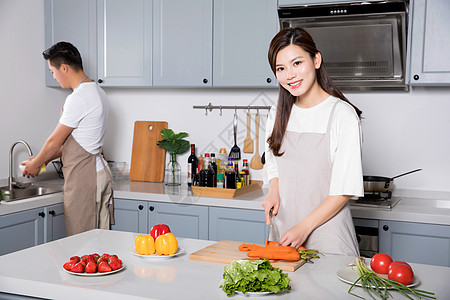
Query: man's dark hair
64, 53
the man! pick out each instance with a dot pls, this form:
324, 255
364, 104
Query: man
78, 140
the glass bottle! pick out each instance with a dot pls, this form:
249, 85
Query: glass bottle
192, 167
220, 182
207, 173
222, 160
173, 172
246, 171
230, 175
214, 167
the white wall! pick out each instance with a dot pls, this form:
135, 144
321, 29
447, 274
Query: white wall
402, 131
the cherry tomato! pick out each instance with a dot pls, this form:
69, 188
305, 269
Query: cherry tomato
380, 263
401, 273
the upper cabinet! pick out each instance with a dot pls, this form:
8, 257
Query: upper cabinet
74, 22
173, 43
430, 42
242, 33
182, 43
124, 38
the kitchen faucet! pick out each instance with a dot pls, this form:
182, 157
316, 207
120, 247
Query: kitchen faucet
10, 178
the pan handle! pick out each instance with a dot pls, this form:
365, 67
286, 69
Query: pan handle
413, 171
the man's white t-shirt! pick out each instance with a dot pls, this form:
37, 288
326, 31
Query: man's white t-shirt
345, 142
86, 110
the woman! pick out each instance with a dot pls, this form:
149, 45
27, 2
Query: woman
313, 151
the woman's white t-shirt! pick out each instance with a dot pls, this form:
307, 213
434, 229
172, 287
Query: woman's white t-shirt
345, 142
86, 110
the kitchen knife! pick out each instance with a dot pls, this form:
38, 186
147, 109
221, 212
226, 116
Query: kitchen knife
270, 224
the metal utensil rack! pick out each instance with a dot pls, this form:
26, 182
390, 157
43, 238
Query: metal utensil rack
211, 107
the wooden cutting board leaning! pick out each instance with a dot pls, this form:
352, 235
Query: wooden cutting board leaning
147, 158
227, 251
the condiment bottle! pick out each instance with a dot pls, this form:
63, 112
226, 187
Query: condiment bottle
246, 170
222, 160
207, 174
230, 175
220, 182
214, 166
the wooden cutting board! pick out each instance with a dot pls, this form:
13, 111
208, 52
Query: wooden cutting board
227, 251
147, 158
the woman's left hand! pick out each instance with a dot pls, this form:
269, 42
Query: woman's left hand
295, 236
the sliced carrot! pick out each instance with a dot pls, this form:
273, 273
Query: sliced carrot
282, 255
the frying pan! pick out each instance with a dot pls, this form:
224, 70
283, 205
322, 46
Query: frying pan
381, 184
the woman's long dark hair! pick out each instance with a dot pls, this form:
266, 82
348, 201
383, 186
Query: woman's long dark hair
299, 37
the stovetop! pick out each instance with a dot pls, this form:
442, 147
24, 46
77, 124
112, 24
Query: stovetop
384, 204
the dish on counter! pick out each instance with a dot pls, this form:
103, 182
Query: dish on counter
157, 256
96, 273
350, 274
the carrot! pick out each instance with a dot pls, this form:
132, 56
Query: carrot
249, 247
274, 254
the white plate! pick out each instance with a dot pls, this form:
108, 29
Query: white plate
350, 275
156, 256
254, 293
96, 273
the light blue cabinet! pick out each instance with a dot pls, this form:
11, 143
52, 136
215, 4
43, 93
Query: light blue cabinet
124, 40
188, 221
184, 220
74, 22
430, 42
21, 230
233, 224
242, 34
415, 242
55, 227
130, 215
182, 43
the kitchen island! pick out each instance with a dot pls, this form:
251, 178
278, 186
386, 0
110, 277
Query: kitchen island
38, 272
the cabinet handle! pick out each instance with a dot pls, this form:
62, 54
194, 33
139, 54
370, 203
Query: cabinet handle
416, 77
52, 212
100, 81
385, 227
152, 208
269, 80
42, 214
141, 207
205, 81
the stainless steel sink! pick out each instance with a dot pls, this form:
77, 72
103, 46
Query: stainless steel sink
24, 191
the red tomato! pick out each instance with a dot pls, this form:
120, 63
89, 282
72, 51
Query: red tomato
399, 263
380, 263
158, 230
401, 273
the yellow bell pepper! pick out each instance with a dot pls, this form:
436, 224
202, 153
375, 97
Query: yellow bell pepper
166, 244
144, 244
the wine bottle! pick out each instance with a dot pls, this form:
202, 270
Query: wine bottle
192, 167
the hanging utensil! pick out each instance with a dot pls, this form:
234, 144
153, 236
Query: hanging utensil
248, 142
255, 162
235, 151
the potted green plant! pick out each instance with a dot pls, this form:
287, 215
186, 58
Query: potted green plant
174, 144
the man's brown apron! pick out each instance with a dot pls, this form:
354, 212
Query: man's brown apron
80, 187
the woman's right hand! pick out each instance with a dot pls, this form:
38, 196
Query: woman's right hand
272, 200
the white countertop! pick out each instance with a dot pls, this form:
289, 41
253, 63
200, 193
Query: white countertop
415, 206
38, 272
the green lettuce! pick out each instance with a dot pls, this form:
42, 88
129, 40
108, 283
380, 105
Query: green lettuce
253, 276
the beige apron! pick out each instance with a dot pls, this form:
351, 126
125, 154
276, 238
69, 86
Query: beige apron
80, 187
304, 181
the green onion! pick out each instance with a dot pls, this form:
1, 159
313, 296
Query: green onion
307, 254
377, 286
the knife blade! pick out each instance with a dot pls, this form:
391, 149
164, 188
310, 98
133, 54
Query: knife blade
270, 224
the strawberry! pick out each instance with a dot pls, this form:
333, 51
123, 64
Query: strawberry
83, 262
115, 265
105, 255
101, 259
75, 258
103, 267
115, 256
91, 267
96, 256
111, 259
77, 268
68, 265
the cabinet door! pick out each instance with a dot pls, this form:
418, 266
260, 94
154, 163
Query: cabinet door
130, 215
416, 242
55, 228
182, 43
184, 220
430, 43
21, 230
124, 42
237, 225
74, 22
242, 34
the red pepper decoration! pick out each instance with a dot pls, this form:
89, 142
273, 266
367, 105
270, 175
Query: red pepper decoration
158, 230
